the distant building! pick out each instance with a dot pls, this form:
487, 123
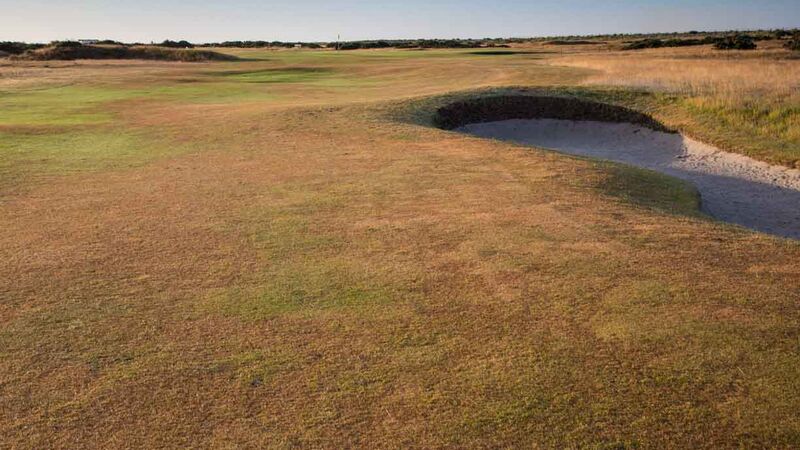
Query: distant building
88, 41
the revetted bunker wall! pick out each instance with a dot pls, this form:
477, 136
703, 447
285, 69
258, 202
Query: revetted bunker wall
507, 107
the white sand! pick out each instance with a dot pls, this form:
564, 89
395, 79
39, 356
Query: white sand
734, 188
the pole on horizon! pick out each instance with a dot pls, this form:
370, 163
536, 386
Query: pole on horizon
338, 38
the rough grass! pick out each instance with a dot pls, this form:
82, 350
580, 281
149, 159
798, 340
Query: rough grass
745, 105
321, 267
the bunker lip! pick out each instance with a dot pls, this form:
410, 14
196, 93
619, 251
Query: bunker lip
734, 188
506, 107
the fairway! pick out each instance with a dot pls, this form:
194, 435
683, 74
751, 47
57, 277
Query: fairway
285, 250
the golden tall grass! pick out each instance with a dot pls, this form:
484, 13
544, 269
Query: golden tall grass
734, 80
747, 102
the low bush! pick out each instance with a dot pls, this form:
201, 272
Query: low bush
417, 43
110, 42
737, 42
176, 44
659, 43
358, 45
69, 51
573, 42
65, 44
261, 44
17, 48
794, 42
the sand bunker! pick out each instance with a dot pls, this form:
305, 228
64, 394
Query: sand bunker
734, 188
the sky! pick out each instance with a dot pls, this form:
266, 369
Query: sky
315, 20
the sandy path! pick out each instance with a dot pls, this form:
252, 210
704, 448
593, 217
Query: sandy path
734, 188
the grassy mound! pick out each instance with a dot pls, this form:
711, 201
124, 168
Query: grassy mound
507, 107
71, 51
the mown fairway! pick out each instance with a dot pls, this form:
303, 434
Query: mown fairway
282, 252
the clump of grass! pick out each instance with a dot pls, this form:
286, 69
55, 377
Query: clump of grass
74, 50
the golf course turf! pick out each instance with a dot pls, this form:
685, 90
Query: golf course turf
287, 251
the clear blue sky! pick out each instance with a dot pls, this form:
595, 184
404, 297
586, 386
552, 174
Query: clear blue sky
308, 20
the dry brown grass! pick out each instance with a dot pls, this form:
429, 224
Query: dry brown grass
731, 80
745, 101
304, 270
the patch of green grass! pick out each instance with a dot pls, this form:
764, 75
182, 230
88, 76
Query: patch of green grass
302, 286
650, 189
211, 92
23, 157
305, 273
286, 75
67, 105
88, 105
311, 76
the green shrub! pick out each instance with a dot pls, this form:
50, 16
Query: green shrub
65, 44
658, 43
572, 42
17, 48
737, 42
794, 42
174, 44
69, 51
